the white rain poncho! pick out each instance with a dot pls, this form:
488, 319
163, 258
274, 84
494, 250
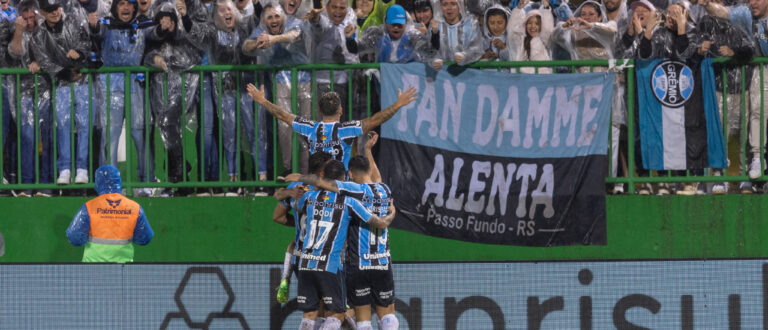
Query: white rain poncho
505, 54
595, 42
464, 37
539, 46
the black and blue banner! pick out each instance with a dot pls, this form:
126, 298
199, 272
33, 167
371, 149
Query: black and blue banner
498, 158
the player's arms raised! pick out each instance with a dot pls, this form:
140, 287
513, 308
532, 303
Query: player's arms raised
372, 138
385, 221
380, 117
260, 98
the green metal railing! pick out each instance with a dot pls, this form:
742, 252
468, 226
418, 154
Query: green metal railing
357, 84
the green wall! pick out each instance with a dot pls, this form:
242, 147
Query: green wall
241, 230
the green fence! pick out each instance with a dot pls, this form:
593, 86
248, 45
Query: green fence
361, 94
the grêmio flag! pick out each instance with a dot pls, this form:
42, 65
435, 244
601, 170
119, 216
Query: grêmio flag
498, 158
678, 117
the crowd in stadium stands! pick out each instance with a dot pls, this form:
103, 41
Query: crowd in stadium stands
61, 37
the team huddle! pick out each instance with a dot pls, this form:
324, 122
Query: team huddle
341, 211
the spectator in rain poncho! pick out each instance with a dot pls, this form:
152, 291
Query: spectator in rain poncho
496, 41
530, 35
717, 37
752, 20
110, 224
326, 28
394, 42
7, 12
279, 41
7, 90
590, 35
461, 39
174, 54
35, 95
647, 37
222, 39
61, 46
123, 40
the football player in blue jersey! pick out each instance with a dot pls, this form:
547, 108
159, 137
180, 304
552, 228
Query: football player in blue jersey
287, 196
369, 275
331, 135
328, 215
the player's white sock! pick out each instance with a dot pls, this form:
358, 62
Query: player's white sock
287, 266
389, 322
331, 323
319, 323
307, 324
364, 325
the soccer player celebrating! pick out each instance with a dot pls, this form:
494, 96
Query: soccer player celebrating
328, 218
331, 135
287, 197
369, 273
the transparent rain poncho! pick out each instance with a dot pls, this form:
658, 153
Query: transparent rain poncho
28, 83
720, 32
507, 53
167, 95
224, 47
51, 45
595, 42
464, 37
328, 45
411, 47
293, 52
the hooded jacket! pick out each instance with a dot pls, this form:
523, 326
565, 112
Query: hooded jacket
50, 46
109, 223
596, 42
722, 33
376, 16
464, 37
506, 54
539, 45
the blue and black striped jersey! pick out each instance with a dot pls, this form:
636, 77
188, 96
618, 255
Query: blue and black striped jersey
327, 215
368, 247
334, 138
298, 220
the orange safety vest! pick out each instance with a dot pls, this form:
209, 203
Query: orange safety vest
113, 218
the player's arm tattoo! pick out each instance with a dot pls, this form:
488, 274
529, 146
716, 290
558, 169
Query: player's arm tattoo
314, 180
380, 117
282, 194
278, 112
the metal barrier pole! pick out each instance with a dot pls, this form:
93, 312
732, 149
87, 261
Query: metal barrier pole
296, 148
631, 129
127, 103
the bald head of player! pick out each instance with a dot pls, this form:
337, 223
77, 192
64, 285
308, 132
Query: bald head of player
330, 107
334, 170
360, 170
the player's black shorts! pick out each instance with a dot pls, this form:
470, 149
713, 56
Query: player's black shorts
316, 285
365, 287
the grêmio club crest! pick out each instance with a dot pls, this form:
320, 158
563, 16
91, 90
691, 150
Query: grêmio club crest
672, 83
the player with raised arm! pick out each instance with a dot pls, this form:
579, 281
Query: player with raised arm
370, 279
287, 197
330, 134
320, 267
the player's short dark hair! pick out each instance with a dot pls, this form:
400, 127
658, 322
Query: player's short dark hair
317, 161
334, 170
359, 164
329, 104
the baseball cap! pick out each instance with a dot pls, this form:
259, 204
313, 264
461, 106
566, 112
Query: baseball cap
645, 3
49, 5
396, 15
